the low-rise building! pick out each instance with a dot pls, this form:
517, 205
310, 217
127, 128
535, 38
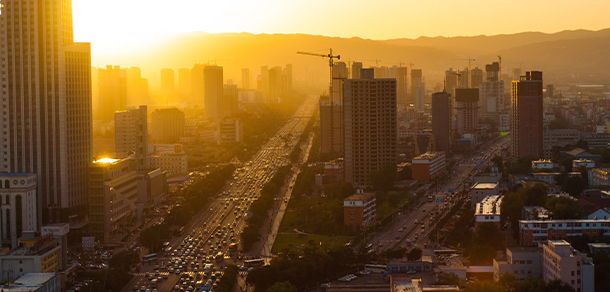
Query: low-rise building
35, 254
536, 232
333, 173
488, 210
561, 261
428, 166
359, 209
521, 262
35, 282
152, 188
229, 131
577, 163
169, 158
599, 177
558, 138
596, 247
542, 164
18, 202
482, 190
534, 213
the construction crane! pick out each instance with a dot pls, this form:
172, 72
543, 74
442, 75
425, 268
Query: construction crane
459, 76
376, 62
331, 63
469, 61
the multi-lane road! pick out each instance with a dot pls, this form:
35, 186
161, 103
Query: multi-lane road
220, 223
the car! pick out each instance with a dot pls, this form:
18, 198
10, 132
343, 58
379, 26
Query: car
400, 230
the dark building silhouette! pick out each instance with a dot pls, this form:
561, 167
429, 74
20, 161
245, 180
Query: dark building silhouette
441, 120
527, 115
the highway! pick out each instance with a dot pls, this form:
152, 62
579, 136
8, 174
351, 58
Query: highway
219, 224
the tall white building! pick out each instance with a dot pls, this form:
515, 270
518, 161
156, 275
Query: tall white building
131, 134
491, 94
18, 204
45, 95
561, 261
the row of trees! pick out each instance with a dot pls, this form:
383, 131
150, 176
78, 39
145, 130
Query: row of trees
115, 277
259, 208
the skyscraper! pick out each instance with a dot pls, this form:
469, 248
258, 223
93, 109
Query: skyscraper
276, 84
137, 87
356, 67
464, 80
451, 81
131, 133
331, 113
441, 120
491, 94
401, 84
46, 106
197, 85
229, 100
527, 115
213, 87
416, 79
476, 77
113, 91
167, 125
245, 78
370, 130
467, 109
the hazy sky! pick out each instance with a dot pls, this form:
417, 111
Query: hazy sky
128, 23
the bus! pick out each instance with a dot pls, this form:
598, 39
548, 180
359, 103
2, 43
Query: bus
376, 269
219, 256
149, 257
254, 263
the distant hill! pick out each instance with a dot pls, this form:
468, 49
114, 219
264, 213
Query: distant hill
565, 57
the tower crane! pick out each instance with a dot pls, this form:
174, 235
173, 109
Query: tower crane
331, 63
469, 61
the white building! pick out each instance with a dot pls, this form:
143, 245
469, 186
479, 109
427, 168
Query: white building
169, 158
113, 196
482, 190
18, 197
563, 262
229, 131
131, 134
488, 210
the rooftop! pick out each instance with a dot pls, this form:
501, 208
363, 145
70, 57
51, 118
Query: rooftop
485, 186
106, 160
490, 205
429, 155
359, 197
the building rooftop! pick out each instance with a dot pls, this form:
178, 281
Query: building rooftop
484, 186
29, 282
490, 205
428, 155
106, 160
359, 197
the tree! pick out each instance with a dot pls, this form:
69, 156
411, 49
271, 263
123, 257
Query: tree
414, 254
447, 279
154, 236
499, 162
574, 185
558, 285
601, 260
282, 287
124, 260
384, 178
564, 208
484, 286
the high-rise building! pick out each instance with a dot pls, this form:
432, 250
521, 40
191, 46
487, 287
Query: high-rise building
441, 121
491, 94
550, 90
229, 100
464, 80
467, 109
331, 133
112, 83
137, 87
184, 84
197, 85
420, 96
113, 196
131, 134
167, 125
45, 91
401, 85
527, 116
167, 83
356, 67
264, 84
245, 78
276, 84
476, 77
416, 80
370, 128
213, 88
451, 81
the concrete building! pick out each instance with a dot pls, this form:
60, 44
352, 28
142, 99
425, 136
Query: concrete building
46, 131
527, 116
416, 80
563, 262
491, 93
230, 105
131, 134
596, 140
467, 110
481, 190
369, 110
534, 213
213, 91
599, 177
137, 87
359, 209
197, 85
488, 210
521, 262
112, 84
35, 282
558, 138
587, 163
167, 125
356, 67
331, 134
19, 199
476, 77
170, 158
113, 196
451, 81
35, 254
152, 188
542, 164
537, 232
428, 166
229, 131
424, 142
402, 92
441, 121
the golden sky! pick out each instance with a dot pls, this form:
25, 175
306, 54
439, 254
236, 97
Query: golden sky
132, 24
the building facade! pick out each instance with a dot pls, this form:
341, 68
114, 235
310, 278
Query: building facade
467, 109
131, 134
521, 262
537, 232
167, 125
359, 209
229, 131
563, 262
213, 90
481, 190
441, 121
18, 205
488, 210
428, 166
527, 116
369, 107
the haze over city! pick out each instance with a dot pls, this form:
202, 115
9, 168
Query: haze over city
285, 146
